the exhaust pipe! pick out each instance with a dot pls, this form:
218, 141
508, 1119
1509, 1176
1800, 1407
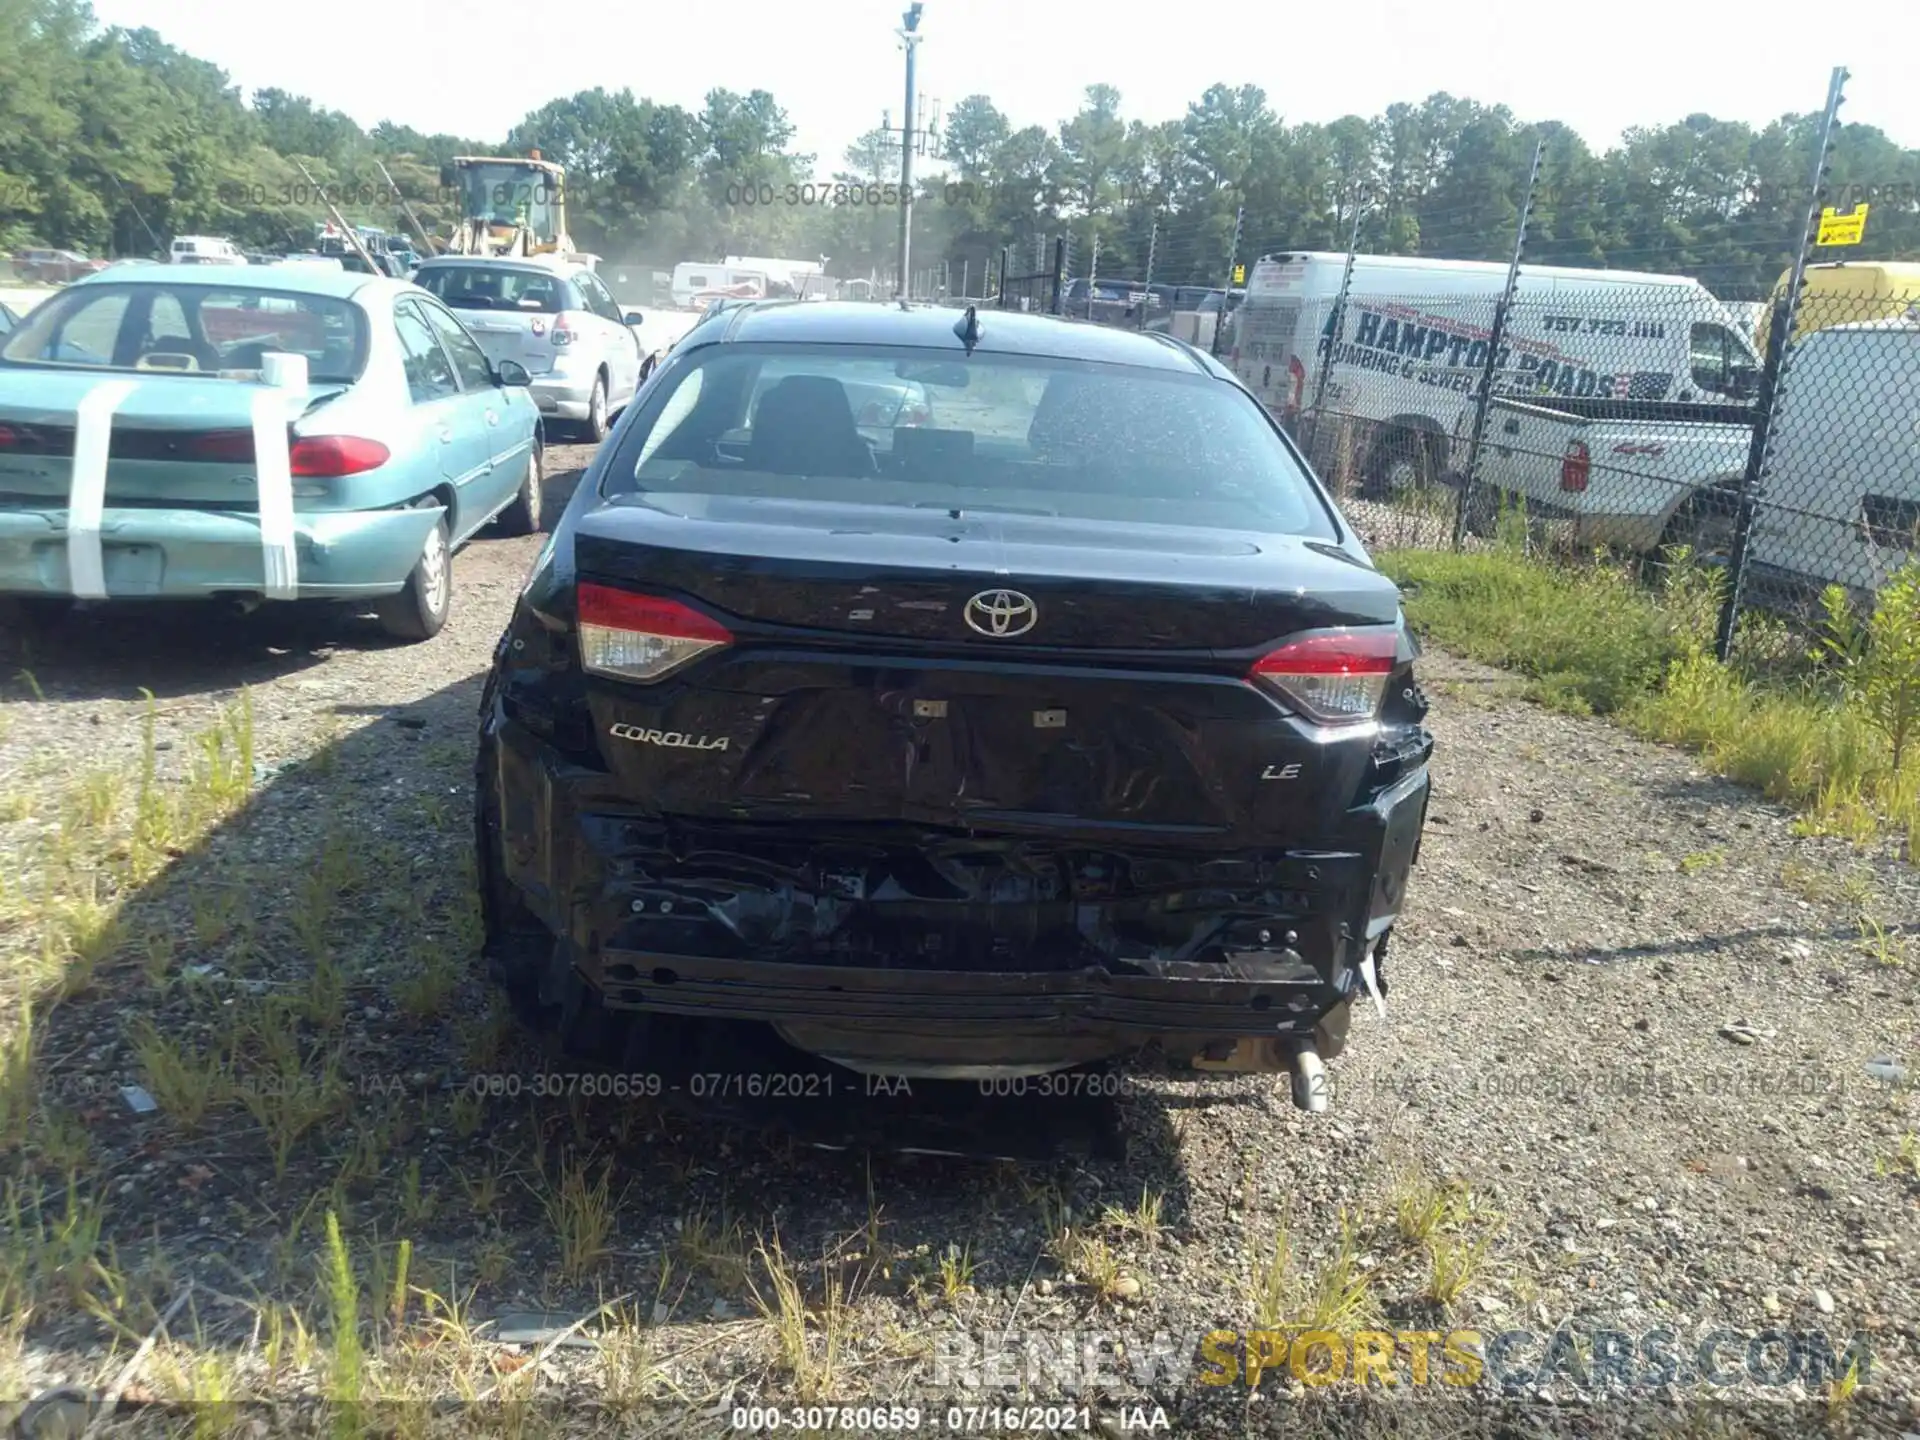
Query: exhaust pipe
1309, 1080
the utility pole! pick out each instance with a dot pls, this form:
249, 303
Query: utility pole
910, 38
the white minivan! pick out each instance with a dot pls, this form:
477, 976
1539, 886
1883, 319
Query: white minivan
1413, 342
204, 250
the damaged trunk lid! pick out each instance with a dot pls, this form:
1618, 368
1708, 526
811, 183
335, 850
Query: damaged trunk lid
999, 672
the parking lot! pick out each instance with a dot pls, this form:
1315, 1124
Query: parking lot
1631, 1076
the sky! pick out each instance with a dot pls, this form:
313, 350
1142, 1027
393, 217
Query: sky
475, 67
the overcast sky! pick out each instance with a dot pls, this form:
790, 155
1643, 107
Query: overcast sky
474, 67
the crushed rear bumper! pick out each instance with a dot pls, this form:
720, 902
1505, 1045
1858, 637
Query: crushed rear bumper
911, 945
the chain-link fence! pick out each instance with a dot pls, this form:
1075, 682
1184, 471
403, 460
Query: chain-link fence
1573, 409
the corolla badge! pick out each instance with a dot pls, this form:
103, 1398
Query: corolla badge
672, 739
1001, 613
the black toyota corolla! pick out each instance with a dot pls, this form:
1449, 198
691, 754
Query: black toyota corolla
961, 696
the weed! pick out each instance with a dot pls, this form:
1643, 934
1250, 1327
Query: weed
1885, 947
1273, 1282
417, 1204
956, 1272
716, 1247
581, 1213
1142, 1218
346, 1368
1453, 1264
814, 1372
1341, 1297
186, 1083
19, 1093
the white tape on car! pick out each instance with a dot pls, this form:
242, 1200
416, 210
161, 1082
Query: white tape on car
87, 490
273, 479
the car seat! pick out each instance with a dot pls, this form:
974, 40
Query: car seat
804, 425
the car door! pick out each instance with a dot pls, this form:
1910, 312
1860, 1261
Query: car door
618, 343
439, 404
483, 405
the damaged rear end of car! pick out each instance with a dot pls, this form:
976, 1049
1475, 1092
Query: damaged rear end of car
1078, 727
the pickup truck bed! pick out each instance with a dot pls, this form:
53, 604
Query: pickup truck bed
1621, 471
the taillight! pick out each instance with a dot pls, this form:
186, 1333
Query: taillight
914, 415
9, 437
324, 457
1336, 678
1575, 468
563, 333
1299, 374
641, 637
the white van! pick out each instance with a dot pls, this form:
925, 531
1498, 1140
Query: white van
697, 283
204, 250
1840, 496
1413, 340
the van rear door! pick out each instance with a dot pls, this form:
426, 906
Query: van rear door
1269, 354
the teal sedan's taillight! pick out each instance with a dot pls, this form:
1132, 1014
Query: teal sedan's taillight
325, 457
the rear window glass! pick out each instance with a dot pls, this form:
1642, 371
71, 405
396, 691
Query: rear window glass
191, 329
496, 287
920, 429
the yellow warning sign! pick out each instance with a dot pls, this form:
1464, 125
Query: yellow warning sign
1240, 271
1842, 227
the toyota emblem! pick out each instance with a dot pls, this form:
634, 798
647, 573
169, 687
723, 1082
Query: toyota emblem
1001, 613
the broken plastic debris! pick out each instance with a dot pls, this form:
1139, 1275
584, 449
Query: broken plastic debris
1372, 981
138, 1100
1885, 1067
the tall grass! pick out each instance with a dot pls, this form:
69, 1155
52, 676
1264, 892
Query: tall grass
1792, 721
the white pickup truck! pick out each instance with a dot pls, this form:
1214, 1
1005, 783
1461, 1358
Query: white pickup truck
1634, 475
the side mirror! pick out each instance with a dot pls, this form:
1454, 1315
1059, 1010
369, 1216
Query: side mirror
511, 373
634, 317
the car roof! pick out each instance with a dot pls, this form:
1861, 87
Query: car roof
308, 279
534, 264
1002, 332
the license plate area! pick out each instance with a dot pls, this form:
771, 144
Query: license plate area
129, 570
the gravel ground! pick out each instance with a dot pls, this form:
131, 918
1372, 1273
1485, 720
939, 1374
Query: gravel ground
1628, 1079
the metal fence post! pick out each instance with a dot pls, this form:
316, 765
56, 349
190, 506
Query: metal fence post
1495, 339
1226, 295
1153, 245
1779, 346
1006, 257
1059, 274
1335, 321
1093, 272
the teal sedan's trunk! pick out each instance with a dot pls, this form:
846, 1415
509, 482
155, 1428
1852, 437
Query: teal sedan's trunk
175, 441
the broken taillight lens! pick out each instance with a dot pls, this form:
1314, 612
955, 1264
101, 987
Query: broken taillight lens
1335, 678
641, 637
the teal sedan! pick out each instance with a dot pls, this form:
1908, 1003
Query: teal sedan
204, 432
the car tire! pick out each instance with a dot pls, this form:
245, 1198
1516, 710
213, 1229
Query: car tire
522, 517
420, 610
526, 961
1400, 464
594, 428
1705, 524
